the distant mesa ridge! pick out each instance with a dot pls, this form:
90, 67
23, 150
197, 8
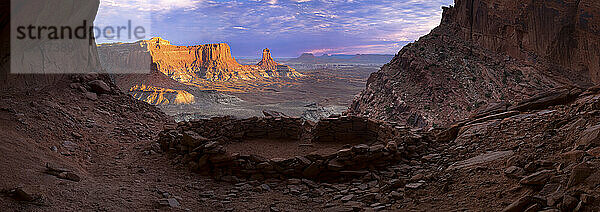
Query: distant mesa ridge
189, 64
309, 58
176, 70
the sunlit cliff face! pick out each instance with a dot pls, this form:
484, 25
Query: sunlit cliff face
161, 96
211, 62
208, 67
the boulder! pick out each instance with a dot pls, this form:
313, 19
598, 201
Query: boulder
417, 178
265, 166
590, 136
312, 170
595, 152
579, 174
450, 133
303, 160
203, 161
377, 148
538, 178
344, 153
99, 87
413, 185
347, 198
520, 205
396, 183
171, 202
69, 176
272, 113
361, 148
20, 195
354, 173
514, 172
335, 165
573, 156
544, 100
221, 158
587, 199
391, 146
61, 173
193, 139
534, 208
568, 203
91, 96
90, 76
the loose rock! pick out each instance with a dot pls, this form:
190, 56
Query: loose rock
538, 178
99, 87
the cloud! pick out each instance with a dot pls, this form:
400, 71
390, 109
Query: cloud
161, 6
377, 26
360, 49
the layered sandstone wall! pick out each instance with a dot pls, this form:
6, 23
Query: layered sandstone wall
119, 58
42, 62
185, 63
486, 52
562, 32
190, 64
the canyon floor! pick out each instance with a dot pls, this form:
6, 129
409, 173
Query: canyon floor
321, 92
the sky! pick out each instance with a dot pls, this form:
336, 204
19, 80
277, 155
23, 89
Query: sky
287, 27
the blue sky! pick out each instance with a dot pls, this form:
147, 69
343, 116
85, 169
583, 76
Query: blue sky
287, 27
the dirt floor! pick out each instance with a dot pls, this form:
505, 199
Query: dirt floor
269, 148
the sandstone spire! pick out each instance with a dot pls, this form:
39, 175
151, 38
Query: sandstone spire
267, 61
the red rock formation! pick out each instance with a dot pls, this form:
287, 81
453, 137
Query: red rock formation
212, 62
155, 88
194, 64
484, 52
182, 70
161, 96
186, 63
564, 32
267, 61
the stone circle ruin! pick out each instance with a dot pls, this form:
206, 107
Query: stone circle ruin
333, 149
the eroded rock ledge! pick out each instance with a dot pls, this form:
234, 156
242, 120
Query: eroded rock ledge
364, 145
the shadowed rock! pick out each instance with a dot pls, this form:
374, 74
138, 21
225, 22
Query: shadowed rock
488, 157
